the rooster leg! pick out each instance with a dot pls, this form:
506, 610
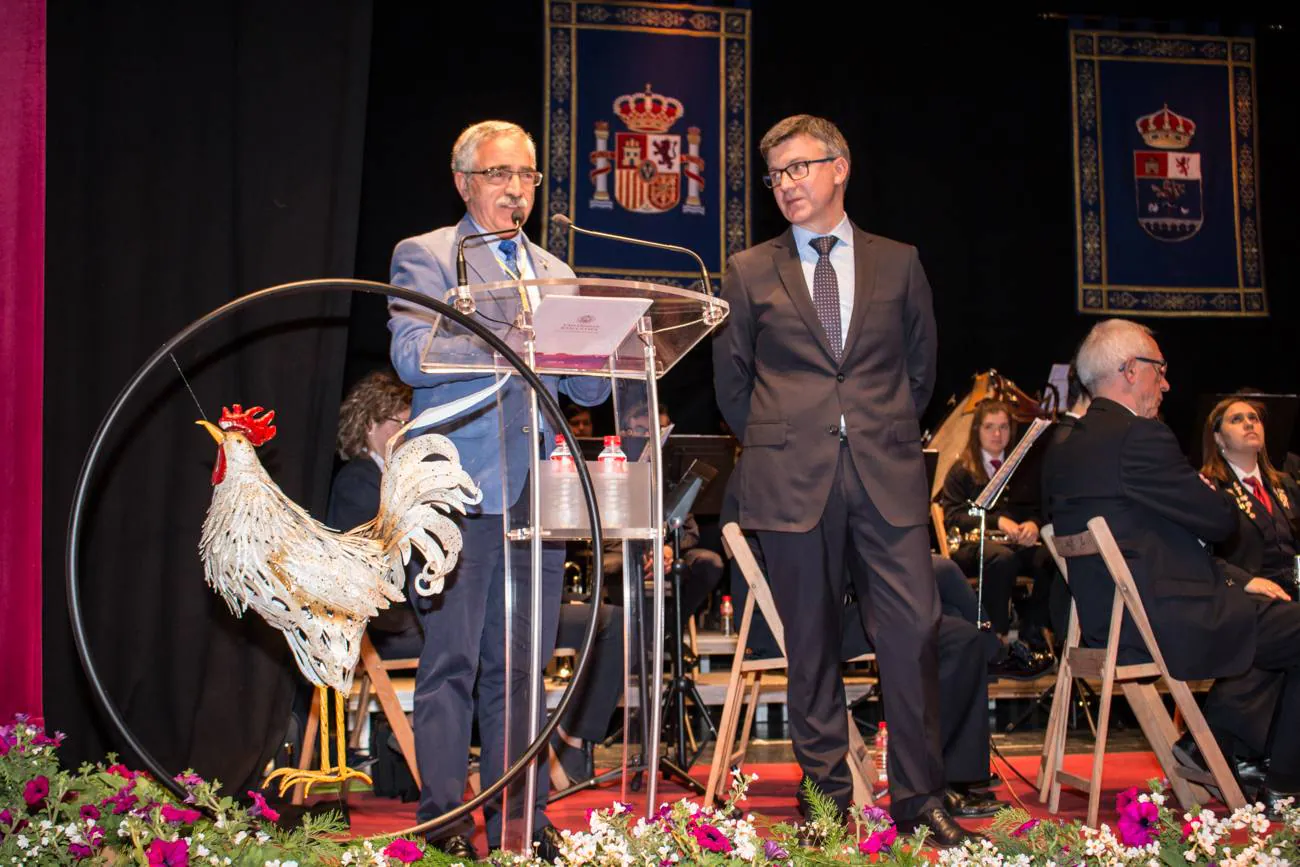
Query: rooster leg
329, 772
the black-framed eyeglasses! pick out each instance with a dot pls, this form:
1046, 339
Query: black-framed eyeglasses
1161, 366
796, 170
500, 175
398, 420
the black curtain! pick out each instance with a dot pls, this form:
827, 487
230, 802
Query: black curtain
960, 130
196, 153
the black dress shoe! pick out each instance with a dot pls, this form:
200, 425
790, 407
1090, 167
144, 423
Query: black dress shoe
457, 846
971, 805
1250, 774
944, 832
1021, 663
547, 842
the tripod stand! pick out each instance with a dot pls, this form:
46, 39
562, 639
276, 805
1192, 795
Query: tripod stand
682, 686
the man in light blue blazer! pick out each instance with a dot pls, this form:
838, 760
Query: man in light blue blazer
494, 165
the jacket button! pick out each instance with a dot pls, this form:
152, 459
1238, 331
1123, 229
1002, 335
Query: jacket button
839, 377
832, 430
524, 429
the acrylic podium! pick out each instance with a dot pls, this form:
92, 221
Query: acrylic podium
588, 338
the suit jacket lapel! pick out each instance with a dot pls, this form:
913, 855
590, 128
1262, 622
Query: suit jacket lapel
864, 284
790, 270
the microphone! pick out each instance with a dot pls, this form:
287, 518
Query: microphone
464, 300
564, 222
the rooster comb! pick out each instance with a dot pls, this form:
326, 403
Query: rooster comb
258, 429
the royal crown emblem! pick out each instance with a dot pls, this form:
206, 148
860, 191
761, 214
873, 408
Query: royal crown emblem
647, 161
1167, 180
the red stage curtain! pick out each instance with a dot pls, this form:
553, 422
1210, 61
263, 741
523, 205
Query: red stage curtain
22, 290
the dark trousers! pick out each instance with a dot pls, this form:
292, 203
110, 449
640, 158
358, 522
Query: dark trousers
465, 641
808, 577
1233, 707
596, 697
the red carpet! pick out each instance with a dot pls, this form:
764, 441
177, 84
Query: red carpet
771, 798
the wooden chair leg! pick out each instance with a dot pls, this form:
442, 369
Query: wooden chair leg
1227, 784
860, 766
307, 754
751, 710
1057, 729
1099, 749
1160, 734
726, 735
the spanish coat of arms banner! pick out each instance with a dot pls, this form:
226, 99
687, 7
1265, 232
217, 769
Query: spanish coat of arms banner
647, 135
1166, 175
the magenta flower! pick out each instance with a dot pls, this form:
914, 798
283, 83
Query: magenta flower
180, 815
711, 839
35, 791
1189, 828
404, 851
1025, 828
89, 811
1126, 797
164, 854
878, 840
189, 779
1138, 823
6, 818
80, 851
875, 814
123, 801
260, 809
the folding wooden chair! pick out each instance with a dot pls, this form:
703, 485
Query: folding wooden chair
940, 532
1138, 683
746, 682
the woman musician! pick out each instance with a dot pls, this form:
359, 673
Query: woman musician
1011, 547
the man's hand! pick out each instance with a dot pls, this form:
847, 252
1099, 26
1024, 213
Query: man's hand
1266, 588
648, 565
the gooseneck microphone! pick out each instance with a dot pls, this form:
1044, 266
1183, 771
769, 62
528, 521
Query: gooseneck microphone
564, 222
464, 300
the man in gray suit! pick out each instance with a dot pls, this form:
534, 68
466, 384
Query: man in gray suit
823, 369
494, 165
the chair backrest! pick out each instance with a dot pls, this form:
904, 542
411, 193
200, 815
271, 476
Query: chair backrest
1098, 540
940, 532
743, 556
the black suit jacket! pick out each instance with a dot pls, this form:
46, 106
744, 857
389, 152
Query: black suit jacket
1256, 531
1130, 471
782, 392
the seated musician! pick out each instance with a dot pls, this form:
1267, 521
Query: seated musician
1259, 556
1011, 547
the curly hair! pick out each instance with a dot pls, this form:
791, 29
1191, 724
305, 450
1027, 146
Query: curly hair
378, 396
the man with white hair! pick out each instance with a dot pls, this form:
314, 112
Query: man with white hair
494, 168
1121, 463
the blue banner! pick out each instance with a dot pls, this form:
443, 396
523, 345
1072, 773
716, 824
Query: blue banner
1165, 171
647, 135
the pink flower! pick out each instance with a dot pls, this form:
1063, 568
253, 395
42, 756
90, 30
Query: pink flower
180, 815
260, 809
1138, 823
122, 771
404, 851
89, 811
80, 851
1189, 828
1025, 828
35, 791
711, 839
878, 840
164, 854
1126, 797
123, 801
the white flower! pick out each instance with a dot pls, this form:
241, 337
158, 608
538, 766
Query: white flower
201, 851
239, 838
46, 824
23, 842
263, 837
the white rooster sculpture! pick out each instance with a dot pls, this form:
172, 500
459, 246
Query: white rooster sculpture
319, 586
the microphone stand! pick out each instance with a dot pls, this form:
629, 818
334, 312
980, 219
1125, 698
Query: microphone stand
464, 300
565, 223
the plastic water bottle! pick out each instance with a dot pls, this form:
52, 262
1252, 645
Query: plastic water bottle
881, 749
611, 473
564, 484
728, 615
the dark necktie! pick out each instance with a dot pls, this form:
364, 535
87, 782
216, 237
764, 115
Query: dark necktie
826, 293
1257, 488
509, 252
996, 463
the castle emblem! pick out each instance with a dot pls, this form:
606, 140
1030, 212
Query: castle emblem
647, 161
1170, 204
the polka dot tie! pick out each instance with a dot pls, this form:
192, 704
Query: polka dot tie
509, 249
826, 293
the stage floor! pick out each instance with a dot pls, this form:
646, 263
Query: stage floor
771, 798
